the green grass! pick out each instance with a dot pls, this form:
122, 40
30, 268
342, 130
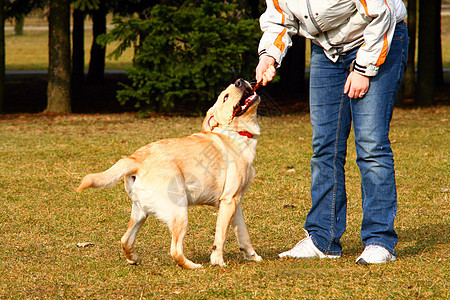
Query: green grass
30, 51
42, 160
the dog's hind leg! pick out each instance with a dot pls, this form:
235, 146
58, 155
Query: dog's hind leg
178, 228
242, 236
227, 208
137, 219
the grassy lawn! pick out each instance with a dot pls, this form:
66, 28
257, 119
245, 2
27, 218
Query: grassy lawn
30, 51
43, 159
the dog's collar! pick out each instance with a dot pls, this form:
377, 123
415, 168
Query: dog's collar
246, 133
230, 133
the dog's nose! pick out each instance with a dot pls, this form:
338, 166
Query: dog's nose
239, 82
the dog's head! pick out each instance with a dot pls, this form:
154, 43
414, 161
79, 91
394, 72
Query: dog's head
235, 109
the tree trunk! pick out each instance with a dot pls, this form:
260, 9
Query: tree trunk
410, 74
96, 73
426, 73
254, 8
292, 70
59, 69
439, 66
2, 54
78, 55
18, 24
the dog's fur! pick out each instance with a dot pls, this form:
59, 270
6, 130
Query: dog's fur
213, 167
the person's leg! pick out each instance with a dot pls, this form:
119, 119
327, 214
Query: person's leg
331, 121
371, 118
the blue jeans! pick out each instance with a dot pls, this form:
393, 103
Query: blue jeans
332, 113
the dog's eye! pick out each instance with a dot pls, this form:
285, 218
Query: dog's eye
225, 98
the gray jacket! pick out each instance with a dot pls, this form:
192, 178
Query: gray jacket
335, 25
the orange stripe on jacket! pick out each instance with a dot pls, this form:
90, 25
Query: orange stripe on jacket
383, 53
278, 8
279, 42
363, 2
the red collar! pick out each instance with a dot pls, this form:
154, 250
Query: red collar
245, 133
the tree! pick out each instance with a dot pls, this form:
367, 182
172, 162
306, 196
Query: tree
17, 10
81, 8
255, 8
186, 54
292, 70
429, 35
438, 47
96, 71
2, 54
59, 70
78, 54
9, 10
410, 74
18, 24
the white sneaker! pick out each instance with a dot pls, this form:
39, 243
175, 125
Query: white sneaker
306, 249
374, 254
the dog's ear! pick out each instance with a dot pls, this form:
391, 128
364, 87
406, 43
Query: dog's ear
209, 123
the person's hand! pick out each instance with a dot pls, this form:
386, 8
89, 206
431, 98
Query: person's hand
265, 71
356, 85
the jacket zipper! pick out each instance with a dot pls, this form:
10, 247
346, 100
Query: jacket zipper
313, 20
311, 16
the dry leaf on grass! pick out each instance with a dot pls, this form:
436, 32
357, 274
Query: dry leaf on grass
85, 244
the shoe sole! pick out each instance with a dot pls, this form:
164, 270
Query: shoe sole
361, 261
290, 256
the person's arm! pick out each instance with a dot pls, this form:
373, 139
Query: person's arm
377, 35
377, 42
278, 25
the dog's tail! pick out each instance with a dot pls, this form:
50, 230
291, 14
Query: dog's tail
108, 178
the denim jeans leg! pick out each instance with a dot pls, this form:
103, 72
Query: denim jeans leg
371, 118
331, 120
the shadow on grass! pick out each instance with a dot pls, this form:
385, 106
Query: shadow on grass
422, 239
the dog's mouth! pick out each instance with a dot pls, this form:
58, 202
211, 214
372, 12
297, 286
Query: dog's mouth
247, 100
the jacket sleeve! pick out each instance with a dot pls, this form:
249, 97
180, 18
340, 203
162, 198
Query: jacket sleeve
378, 35
278, 25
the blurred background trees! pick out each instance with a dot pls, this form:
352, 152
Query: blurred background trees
186, 50
185, 54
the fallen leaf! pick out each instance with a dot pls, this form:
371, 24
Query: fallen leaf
289, 206
85, 244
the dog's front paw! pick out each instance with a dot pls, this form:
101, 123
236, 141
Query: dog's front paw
253, 256
217, 259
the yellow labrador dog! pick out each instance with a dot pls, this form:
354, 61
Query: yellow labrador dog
213, 167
